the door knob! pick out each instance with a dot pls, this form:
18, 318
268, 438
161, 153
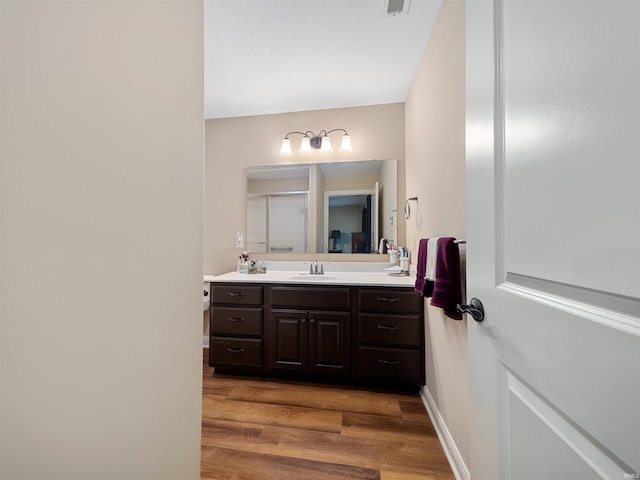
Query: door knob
474, 308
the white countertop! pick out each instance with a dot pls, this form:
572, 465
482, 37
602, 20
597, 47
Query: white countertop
302, 277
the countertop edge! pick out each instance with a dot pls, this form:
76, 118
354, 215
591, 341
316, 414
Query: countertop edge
334, 279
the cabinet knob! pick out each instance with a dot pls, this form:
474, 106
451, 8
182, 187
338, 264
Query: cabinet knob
313, 320
303, 320
236, 294
235, 350
235, 319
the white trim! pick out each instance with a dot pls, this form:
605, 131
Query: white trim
585, 448
604, 316
205, 341
459, 468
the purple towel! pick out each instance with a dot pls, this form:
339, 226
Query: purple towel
446, 290
421, 266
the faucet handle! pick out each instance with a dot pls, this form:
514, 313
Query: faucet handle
311, 268
321, 269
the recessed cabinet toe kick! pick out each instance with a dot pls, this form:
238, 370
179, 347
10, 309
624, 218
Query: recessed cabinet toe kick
372, 335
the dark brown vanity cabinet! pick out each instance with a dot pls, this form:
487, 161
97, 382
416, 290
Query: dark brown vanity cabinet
361, 334
236, 326
308, 329
390, 335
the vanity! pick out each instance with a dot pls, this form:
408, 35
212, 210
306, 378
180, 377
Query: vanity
356, 327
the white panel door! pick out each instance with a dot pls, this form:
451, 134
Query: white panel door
553, 252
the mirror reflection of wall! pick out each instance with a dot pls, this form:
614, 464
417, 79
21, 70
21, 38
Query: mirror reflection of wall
366, 189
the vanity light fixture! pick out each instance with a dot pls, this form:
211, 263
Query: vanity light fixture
311, 141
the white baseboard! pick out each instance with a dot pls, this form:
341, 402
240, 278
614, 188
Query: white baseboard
205, 341
460, 470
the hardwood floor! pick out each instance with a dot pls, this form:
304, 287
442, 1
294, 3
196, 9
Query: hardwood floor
255, 429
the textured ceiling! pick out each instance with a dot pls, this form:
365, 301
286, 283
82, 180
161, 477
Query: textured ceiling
276, 56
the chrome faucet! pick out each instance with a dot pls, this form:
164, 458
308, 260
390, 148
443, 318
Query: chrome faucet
313, 268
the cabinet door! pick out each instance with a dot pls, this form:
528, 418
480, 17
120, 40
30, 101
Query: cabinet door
236, 322
329, 342
235, 352
236, 294
389, 300
289, 346
390, 330
390, 364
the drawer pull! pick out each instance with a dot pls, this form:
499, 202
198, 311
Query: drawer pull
235, 350
236, 294
390, 328
389, 362
388, 300
235, 319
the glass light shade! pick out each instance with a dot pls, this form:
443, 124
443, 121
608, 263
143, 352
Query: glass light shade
286, 147
326, 144
345, 146
305, 146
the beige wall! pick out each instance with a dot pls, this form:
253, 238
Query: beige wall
232, 144
101, 154
278, 185
435, 172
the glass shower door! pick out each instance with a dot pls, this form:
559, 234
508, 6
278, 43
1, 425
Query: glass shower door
287, 221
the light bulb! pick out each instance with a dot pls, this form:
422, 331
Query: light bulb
305, 146
345, 146
286, 147
326, 144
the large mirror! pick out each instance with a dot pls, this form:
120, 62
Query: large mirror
337, 207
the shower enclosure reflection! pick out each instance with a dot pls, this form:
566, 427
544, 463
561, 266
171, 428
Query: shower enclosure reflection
277, 223
338, 207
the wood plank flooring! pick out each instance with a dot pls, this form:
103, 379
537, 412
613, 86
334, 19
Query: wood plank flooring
256, 429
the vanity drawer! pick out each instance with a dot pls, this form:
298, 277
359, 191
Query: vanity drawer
389, 301
400, 330
390, 363
236, 321
236, 294
324, 298
245, 352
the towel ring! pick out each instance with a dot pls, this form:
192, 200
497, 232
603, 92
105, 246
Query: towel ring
407, 207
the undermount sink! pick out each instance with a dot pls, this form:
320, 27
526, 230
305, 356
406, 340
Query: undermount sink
308, 276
